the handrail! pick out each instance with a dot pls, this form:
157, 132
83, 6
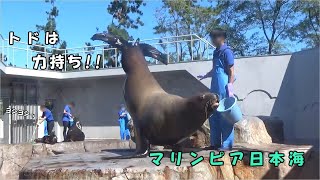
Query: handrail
167, 37
205, 41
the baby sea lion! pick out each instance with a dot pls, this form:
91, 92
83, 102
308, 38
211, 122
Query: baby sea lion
159, 118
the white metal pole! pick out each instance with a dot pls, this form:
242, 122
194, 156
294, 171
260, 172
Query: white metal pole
65, 60
2, 51
27, 56
200, 51
116, 58
47, 58
8, 53
207, 51
102, 57
13, 57
191, 48
84, 54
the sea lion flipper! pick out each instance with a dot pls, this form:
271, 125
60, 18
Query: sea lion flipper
113, 40
142, 147
142, 143
120, 43
153, 52
136, 155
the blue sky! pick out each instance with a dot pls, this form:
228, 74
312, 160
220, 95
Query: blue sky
76, 23
77, 20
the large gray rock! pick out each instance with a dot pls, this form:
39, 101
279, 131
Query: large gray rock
65, 148
200, 139
91, 166
274, 126
37, 161
251, 130
13, 159
101, 145
39, 150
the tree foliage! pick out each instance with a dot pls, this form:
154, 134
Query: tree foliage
124, 11
269, 26
274, 18
259, 24
51, 26
181, 17
125, 15
229, 17
307, 29
61, 46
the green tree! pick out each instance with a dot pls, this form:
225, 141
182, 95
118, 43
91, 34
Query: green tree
229, 17
123, 11
181, 17
273, 18
265, 26
125, 15
308, 28
51, 26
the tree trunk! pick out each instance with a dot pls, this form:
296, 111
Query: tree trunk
270, 47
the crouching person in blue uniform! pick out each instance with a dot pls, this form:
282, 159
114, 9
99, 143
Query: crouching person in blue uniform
222, 74
48, 117
124, 118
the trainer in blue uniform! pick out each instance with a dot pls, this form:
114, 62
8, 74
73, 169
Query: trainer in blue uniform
124, 118
45, 128
67, 118
48, 117
127, 131
222, 75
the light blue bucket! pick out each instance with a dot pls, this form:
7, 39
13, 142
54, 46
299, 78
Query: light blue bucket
230, 110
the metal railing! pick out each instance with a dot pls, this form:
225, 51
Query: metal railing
183, 48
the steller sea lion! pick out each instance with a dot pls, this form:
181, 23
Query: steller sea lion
75, 132
159, 118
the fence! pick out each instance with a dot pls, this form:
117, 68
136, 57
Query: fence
22, 124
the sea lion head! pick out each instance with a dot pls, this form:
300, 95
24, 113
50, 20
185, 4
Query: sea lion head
209, 101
